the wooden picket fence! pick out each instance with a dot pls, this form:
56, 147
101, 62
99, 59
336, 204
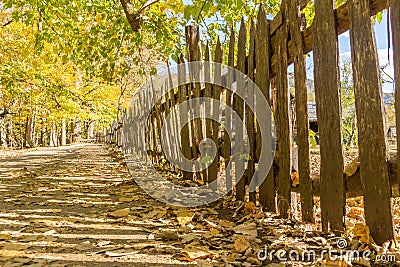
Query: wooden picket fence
264, 56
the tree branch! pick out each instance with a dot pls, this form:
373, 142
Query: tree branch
7, 23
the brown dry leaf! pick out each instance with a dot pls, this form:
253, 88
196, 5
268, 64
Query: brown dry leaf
160, 214
5, 237
201, 182
125, 199
295, 179
226, 224
249, 229
211, 233
362, 232
15, 246
196, 252
352, 168
185, 217
241, 244
120, 213
249, 207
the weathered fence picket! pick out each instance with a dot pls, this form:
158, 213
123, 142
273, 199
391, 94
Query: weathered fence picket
326, 83
372, 144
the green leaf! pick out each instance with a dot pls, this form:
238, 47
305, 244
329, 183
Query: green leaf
206, 160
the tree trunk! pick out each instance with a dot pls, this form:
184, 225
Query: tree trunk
63, 132
3, 137
71, 136
91, 130
43, 133
30, 131
53, 136
10, 137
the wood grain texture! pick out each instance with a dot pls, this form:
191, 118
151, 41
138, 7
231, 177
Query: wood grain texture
184, 133
300, 77
395, 22
283, 123
267, 191
249, 111
193, 46
239, 108
216, 94
226, 148
370, 123
326, 83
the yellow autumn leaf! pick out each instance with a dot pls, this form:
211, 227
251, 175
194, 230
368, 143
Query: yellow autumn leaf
185, 217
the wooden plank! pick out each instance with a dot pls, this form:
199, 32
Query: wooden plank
208, 109
370, 123
300, 77
194, 54
213, 174
326, 82
175, 126
278, 20
342, 25
283, 123
395, 22
185, 137
239, 108
226, 148
249, 113
267, 191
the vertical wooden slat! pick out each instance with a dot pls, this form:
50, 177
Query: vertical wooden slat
184, 133
208, 94
370, 123
164, 111
174, 126
395, 22
263, 56
326, 79
216, 110
283, 121
300, 77
239, 108
226, 150
249, 113
194, 54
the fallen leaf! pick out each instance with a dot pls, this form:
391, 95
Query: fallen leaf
120, 213
5, 236
241, 244
295, 179
249, 229
125, 199
362, 232
226, 224
249, 207
185, 217
196, 252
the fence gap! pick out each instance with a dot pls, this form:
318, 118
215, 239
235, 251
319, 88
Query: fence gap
300, 78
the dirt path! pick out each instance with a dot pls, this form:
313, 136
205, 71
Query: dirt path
78, 206
55, 211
